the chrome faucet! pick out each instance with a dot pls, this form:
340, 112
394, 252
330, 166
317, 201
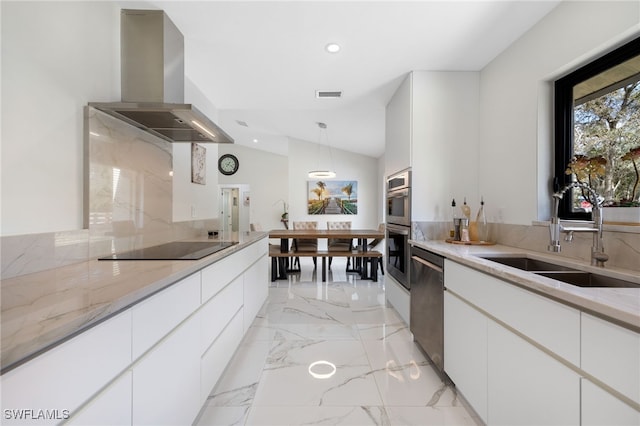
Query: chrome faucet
598, 256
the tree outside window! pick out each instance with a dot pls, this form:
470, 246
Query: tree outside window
597, 135
607, 144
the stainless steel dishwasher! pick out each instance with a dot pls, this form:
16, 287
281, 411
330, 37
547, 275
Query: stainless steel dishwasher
427, 303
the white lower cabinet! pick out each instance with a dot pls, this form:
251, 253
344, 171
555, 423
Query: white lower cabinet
526, 386
465, 351
111, 407
153, 364
612, 354
56, 383
256, 289
519, 358
216, 358
600, 408
166, 382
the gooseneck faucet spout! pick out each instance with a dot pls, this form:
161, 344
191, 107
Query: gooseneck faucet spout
598, 256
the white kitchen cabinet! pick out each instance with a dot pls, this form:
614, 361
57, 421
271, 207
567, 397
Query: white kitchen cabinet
152, 364
549, 323
66, 376
465, 351
218, 311
218, 355
526, 386
398, 129
111, 407
166, 381
156, 316
600, 408
218, 275
256, 289
612, 354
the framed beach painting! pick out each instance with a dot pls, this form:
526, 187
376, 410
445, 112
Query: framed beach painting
332, 197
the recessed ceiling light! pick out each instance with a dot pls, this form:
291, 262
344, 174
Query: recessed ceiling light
332, 47
255, 141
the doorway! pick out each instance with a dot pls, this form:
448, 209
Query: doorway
230, 209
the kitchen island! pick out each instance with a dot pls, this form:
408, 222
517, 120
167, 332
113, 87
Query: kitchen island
85, 340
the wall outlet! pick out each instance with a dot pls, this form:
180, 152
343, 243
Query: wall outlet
193, 211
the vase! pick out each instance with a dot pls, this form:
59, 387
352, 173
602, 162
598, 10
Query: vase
621, 215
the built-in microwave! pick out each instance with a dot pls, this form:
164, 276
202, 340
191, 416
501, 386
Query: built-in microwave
399, 198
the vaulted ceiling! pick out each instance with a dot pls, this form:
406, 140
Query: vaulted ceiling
261, 63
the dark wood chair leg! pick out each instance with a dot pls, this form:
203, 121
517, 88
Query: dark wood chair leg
374, 268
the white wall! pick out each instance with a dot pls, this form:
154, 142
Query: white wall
444, 154
348, 166
56, 57
267, 176
515, 154
192, 201
188, 197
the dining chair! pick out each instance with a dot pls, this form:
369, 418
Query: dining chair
304, 244
339, 244
373, 244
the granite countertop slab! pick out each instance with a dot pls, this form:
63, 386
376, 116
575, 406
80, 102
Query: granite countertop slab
621, 305
43, 309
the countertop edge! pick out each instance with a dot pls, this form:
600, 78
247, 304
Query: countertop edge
598, 301
17, 355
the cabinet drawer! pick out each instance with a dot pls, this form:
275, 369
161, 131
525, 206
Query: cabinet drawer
612, 354
111, 407
66, 376
166, 381
256, 289
465, 351
156, 316
601, 408
218, 311
551, 324
215, 360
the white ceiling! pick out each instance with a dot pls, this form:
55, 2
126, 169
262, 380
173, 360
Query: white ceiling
261, 62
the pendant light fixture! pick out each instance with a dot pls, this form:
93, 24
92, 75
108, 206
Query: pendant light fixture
326, 173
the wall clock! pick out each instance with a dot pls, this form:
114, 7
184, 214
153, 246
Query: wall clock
228, 164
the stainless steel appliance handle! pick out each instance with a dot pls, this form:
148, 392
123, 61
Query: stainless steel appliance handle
398, 193
427, 263
402, 230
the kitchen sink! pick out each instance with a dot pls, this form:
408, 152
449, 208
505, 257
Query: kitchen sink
527, 264
562, 273
588, 279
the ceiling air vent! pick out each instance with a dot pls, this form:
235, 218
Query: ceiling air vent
328, 94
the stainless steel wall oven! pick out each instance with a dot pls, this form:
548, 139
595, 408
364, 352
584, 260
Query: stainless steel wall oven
398, 229
398, 253
399, 198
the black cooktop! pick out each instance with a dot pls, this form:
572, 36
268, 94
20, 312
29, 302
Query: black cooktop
177, 250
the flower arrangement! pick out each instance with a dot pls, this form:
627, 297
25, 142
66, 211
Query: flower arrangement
587, 169
593, 172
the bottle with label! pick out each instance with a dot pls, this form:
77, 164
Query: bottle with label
452, 232
481, 223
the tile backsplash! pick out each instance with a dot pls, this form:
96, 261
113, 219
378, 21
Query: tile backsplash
129, 192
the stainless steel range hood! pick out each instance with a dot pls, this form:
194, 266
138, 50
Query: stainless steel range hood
152, 81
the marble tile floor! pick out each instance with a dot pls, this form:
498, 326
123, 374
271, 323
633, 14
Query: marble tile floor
330, 354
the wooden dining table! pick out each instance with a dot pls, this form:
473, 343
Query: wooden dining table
360, 234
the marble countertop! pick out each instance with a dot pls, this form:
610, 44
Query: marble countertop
42, 309
621, 305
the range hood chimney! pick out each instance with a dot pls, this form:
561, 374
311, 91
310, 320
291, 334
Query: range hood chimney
152, 81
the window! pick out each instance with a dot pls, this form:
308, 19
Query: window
597, 131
